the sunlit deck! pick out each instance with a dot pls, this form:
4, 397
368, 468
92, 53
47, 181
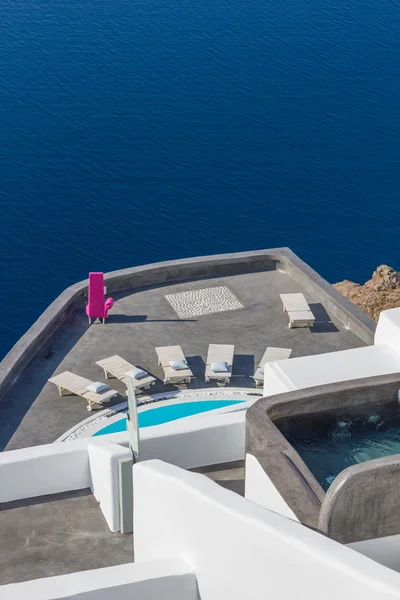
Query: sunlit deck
33, 413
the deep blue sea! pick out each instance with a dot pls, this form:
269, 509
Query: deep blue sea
133, 131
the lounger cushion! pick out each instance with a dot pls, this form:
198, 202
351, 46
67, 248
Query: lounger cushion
179, 365
136, 373
219, 367
97, 387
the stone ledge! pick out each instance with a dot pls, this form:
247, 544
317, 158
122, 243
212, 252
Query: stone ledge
362, 503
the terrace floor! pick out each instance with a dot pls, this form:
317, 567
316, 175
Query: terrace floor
57, 534
227, 475
32, 413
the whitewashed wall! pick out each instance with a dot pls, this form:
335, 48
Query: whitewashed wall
388, 329
190, 443
240, 550
41, 470
169, 579
274, 382
103, 460
93, 462
260, 489
343, 365
56, 468
385, 551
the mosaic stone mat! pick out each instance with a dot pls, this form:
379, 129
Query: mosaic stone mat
203, 302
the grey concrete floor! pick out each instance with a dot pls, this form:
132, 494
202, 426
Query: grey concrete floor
228, 475
57, 534
66, 533
33, 413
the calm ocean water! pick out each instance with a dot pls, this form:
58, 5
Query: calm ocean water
135, 131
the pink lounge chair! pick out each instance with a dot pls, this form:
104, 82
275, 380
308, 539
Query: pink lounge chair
96, 308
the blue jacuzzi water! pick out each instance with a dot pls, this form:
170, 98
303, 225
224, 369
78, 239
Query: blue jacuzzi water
329, 442
164, 414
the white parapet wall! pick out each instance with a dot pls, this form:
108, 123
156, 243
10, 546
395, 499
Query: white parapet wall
383, 358
93, 462
388, 329
196, 442
105, 485
42, 470
239, 549
168, 579
57, 468
260, 489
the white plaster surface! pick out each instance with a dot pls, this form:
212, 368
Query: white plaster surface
197, 441
382, 358
260, 489
194, 303
205, 439
104, 459
189, 443
385, 551
41, 470
240, 550
345, 365
275, 381
388, 329
169, 579
93, 462
56, 468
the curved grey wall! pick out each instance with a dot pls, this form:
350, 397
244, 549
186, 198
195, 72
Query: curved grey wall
363, 502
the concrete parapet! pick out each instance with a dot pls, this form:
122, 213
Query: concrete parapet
363, 502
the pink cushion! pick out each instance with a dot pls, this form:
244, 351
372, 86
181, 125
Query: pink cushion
108, 304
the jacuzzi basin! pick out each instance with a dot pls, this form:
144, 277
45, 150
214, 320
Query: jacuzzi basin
331, 441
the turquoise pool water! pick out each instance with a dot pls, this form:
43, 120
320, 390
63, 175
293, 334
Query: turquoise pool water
164, 414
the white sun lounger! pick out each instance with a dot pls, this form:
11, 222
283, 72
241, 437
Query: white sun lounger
271, 354
118, 367
219, 353
77, 385
298, 310
169, 353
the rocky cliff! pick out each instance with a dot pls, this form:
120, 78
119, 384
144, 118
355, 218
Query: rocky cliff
382, 291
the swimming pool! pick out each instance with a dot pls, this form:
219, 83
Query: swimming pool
165, 414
